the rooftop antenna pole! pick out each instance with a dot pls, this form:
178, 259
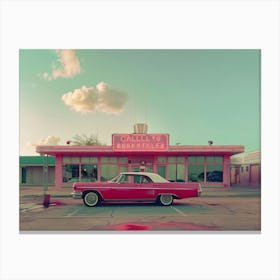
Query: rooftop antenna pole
146, 109
46, 201
134, 109
97, 134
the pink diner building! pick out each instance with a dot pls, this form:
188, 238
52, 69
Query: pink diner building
140, 151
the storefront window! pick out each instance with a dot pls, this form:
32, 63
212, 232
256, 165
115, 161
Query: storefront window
214, 173
180, 173
214, 169
148, 168
196, 172
66, 159
196, 159
214, 159
71, 159
161, 159
176, 172
23, 175
89, 159
171, 172
176, 159
172, 159
162, 171
176, 169
108, 171
88, 172
123, 169
123, 160
108, 160
71, 173
109, 168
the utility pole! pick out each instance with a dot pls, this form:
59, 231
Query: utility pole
46, 201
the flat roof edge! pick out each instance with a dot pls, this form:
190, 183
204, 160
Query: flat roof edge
226, 149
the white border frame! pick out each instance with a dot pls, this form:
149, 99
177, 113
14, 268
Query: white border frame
147, 24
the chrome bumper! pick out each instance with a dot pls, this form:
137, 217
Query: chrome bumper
76, 194
200, 190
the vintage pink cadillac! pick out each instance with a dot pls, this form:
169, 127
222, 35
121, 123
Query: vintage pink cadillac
135, 186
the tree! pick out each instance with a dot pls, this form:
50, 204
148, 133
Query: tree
84, 140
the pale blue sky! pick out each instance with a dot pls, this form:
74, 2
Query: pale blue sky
194, 95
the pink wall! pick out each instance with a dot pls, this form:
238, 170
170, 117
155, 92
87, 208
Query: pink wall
246, 175
226, 170
255, 175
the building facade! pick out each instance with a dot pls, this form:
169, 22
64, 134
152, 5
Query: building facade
209, 165
246, 169
31, 171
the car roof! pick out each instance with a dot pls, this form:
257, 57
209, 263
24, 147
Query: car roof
156, 178
137, 173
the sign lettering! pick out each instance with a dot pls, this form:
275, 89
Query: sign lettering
140, 142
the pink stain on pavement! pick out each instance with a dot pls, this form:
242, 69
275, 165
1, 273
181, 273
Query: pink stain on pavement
57, 203
160, 226
131, 227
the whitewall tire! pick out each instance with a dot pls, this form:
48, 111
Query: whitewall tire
166, 199
91, 199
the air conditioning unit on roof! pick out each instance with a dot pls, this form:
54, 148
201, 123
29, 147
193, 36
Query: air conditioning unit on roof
141, 128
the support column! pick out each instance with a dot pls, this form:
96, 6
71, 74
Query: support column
226, 172
58, 172
98, 169
186, 169
45, 173
155, 169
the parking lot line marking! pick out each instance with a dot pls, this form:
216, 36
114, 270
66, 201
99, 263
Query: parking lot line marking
32, 208
178, 210
74, 212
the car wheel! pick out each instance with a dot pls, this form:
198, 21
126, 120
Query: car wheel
166, 199
91, 199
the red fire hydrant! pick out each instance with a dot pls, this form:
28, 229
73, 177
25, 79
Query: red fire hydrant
46, 201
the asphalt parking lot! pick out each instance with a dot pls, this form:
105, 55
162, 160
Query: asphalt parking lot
231, 210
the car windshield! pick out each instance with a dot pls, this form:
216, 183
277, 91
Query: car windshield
115, 179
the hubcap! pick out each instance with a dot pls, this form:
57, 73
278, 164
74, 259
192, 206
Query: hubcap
91, 199
166, 199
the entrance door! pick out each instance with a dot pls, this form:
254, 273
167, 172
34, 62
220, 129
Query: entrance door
142, 163
138, 167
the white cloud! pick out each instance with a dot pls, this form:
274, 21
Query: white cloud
69, 65
49, 141
110, 100
81, 100
103, 98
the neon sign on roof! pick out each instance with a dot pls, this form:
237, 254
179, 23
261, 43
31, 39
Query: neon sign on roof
140, 142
